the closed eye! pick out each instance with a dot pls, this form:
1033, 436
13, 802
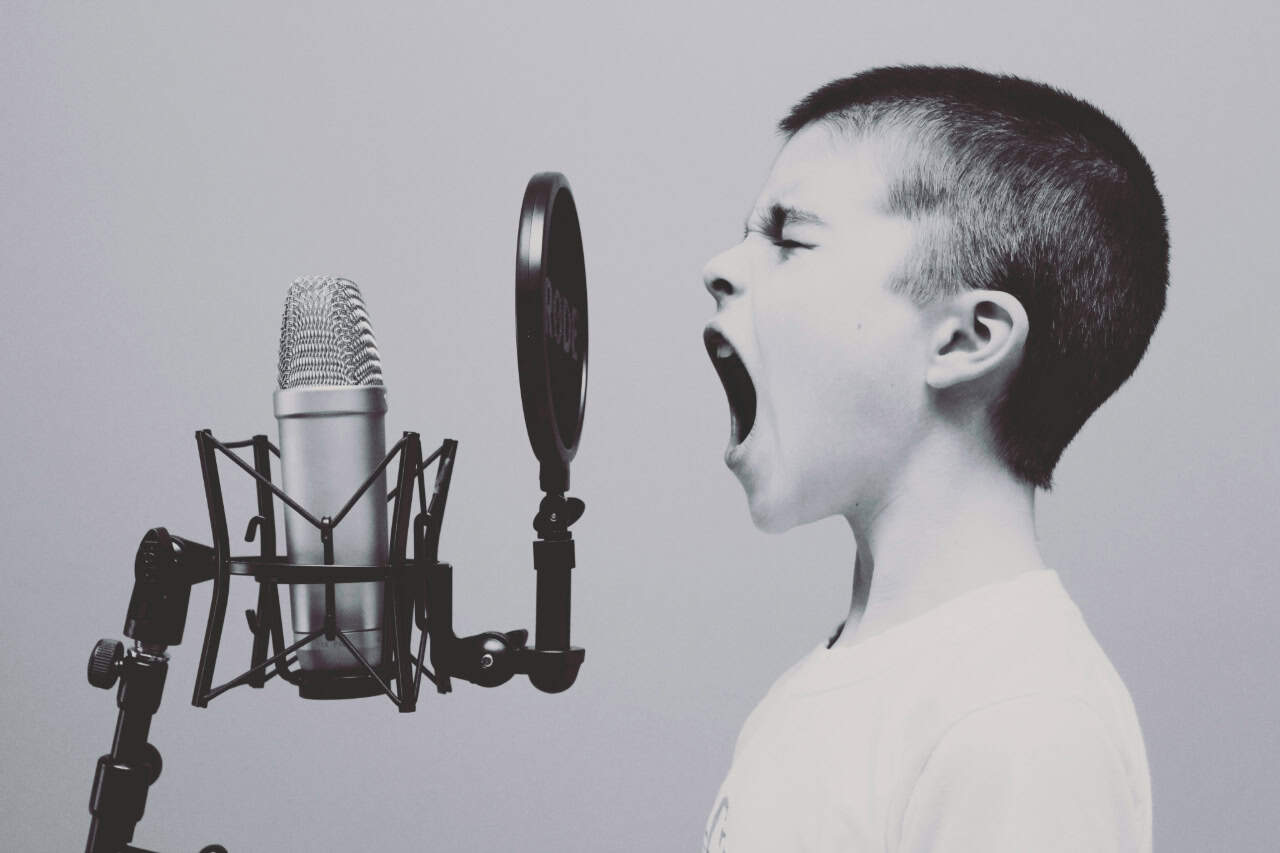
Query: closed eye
777, 240
786, 247
770, 223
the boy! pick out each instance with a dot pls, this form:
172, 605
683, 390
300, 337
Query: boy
945, 274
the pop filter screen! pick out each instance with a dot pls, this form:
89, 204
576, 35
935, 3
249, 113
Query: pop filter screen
551, 325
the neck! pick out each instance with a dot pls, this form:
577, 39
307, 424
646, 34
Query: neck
954, 522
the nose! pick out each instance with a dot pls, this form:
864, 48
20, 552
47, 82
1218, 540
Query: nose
724, 276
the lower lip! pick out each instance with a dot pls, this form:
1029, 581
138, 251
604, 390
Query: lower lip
735, 454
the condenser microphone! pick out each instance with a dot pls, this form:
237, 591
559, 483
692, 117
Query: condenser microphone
331, 407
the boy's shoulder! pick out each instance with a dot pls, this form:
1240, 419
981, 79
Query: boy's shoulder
1022, 690
1017, 637
1003, 686
1015, 641
1011, 649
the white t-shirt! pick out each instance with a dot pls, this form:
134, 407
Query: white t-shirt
993, 723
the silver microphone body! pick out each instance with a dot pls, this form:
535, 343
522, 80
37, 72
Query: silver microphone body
331, 439
331, 410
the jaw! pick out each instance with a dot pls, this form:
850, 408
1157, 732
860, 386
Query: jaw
773, 505
772, 498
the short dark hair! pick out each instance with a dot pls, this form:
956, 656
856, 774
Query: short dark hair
1023, 188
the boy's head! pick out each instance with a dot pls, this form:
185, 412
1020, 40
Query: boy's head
935, 249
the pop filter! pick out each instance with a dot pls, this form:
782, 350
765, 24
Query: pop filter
551, 325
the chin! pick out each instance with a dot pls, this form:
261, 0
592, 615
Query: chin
773, 515
771, 523
779, 511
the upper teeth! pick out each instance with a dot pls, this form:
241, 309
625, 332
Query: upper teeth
724, 351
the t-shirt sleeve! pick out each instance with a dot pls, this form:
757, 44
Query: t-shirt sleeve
1036, 773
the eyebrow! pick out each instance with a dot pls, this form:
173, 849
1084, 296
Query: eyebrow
780, 216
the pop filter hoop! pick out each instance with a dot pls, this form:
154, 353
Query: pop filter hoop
551, 325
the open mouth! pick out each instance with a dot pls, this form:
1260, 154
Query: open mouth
736, 381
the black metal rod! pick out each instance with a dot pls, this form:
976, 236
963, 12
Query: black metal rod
120, 784
439, 593
268, 596
326, 539
266, 509
279, 572
439, 499
390, 631
422, 484
330, 612
250, 677
422, 466
398, 594
276, 490
382, 466
205, 443
400, 512
400, 644
392, 650
373, 672
252, 442
419, 668
553, 601
244, 676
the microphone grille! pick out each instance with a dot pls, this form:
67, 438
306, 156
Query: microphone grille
325, 336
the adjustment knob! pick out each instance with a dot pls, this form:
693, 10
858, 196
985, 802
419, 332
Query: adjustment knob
104, 663
153, 763
491, 654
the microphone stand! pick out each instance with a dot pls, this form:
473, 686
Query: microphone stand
165, 569
551, 338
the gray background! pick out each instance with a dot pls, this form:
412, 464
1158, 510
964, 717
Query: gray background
168, 170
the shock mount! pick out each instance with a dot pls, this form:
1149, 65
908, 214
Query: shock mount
418, 592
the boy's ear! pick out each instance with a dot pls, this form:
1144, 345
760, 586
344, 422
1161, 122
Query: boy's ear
979, 334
